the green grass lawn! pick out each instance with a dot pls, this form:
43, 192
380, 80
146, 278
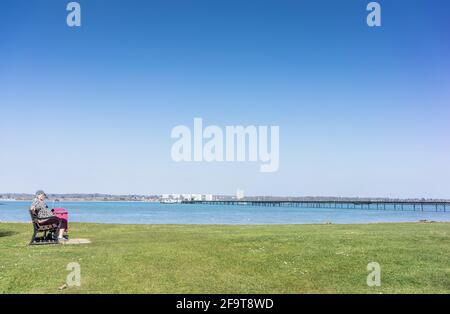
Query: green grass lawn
414, 258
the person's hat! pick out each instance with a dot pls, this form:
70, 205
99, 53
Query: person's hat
40, 192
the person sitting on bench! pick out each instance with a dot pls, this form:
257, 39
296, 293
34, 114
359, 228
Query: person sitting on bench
45, 216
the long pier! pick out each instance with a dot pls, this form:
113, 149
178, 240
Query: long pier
400, 205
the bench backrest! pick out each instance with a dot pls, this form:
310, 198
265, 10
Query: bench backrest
34, 217
37, 226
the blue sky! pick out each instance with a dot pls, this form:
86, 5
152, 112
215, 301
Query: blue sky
362, 111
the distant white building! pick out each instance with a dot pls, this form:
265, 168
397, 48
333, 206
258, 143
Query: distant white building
186, 197
240, 194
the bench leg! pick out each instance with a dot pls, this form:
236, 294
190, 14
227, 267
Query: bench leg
33, 237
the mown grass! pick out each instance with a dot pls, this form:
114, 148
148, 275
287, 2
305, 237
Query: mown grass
414, 258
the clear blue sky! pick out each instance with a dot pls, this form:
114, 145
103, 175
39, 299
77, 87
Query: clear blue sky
362, 111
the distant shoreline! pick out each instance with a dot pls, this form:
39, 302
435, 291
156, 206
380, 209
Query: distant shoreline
81, 201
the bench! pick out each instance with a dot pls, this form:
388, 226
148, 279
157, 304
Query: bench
49, 233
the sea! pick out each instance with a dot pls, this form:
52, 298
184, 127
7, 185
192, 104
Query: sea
156, 213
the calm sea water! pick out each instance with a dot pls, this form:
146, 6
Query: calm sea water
155, 213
